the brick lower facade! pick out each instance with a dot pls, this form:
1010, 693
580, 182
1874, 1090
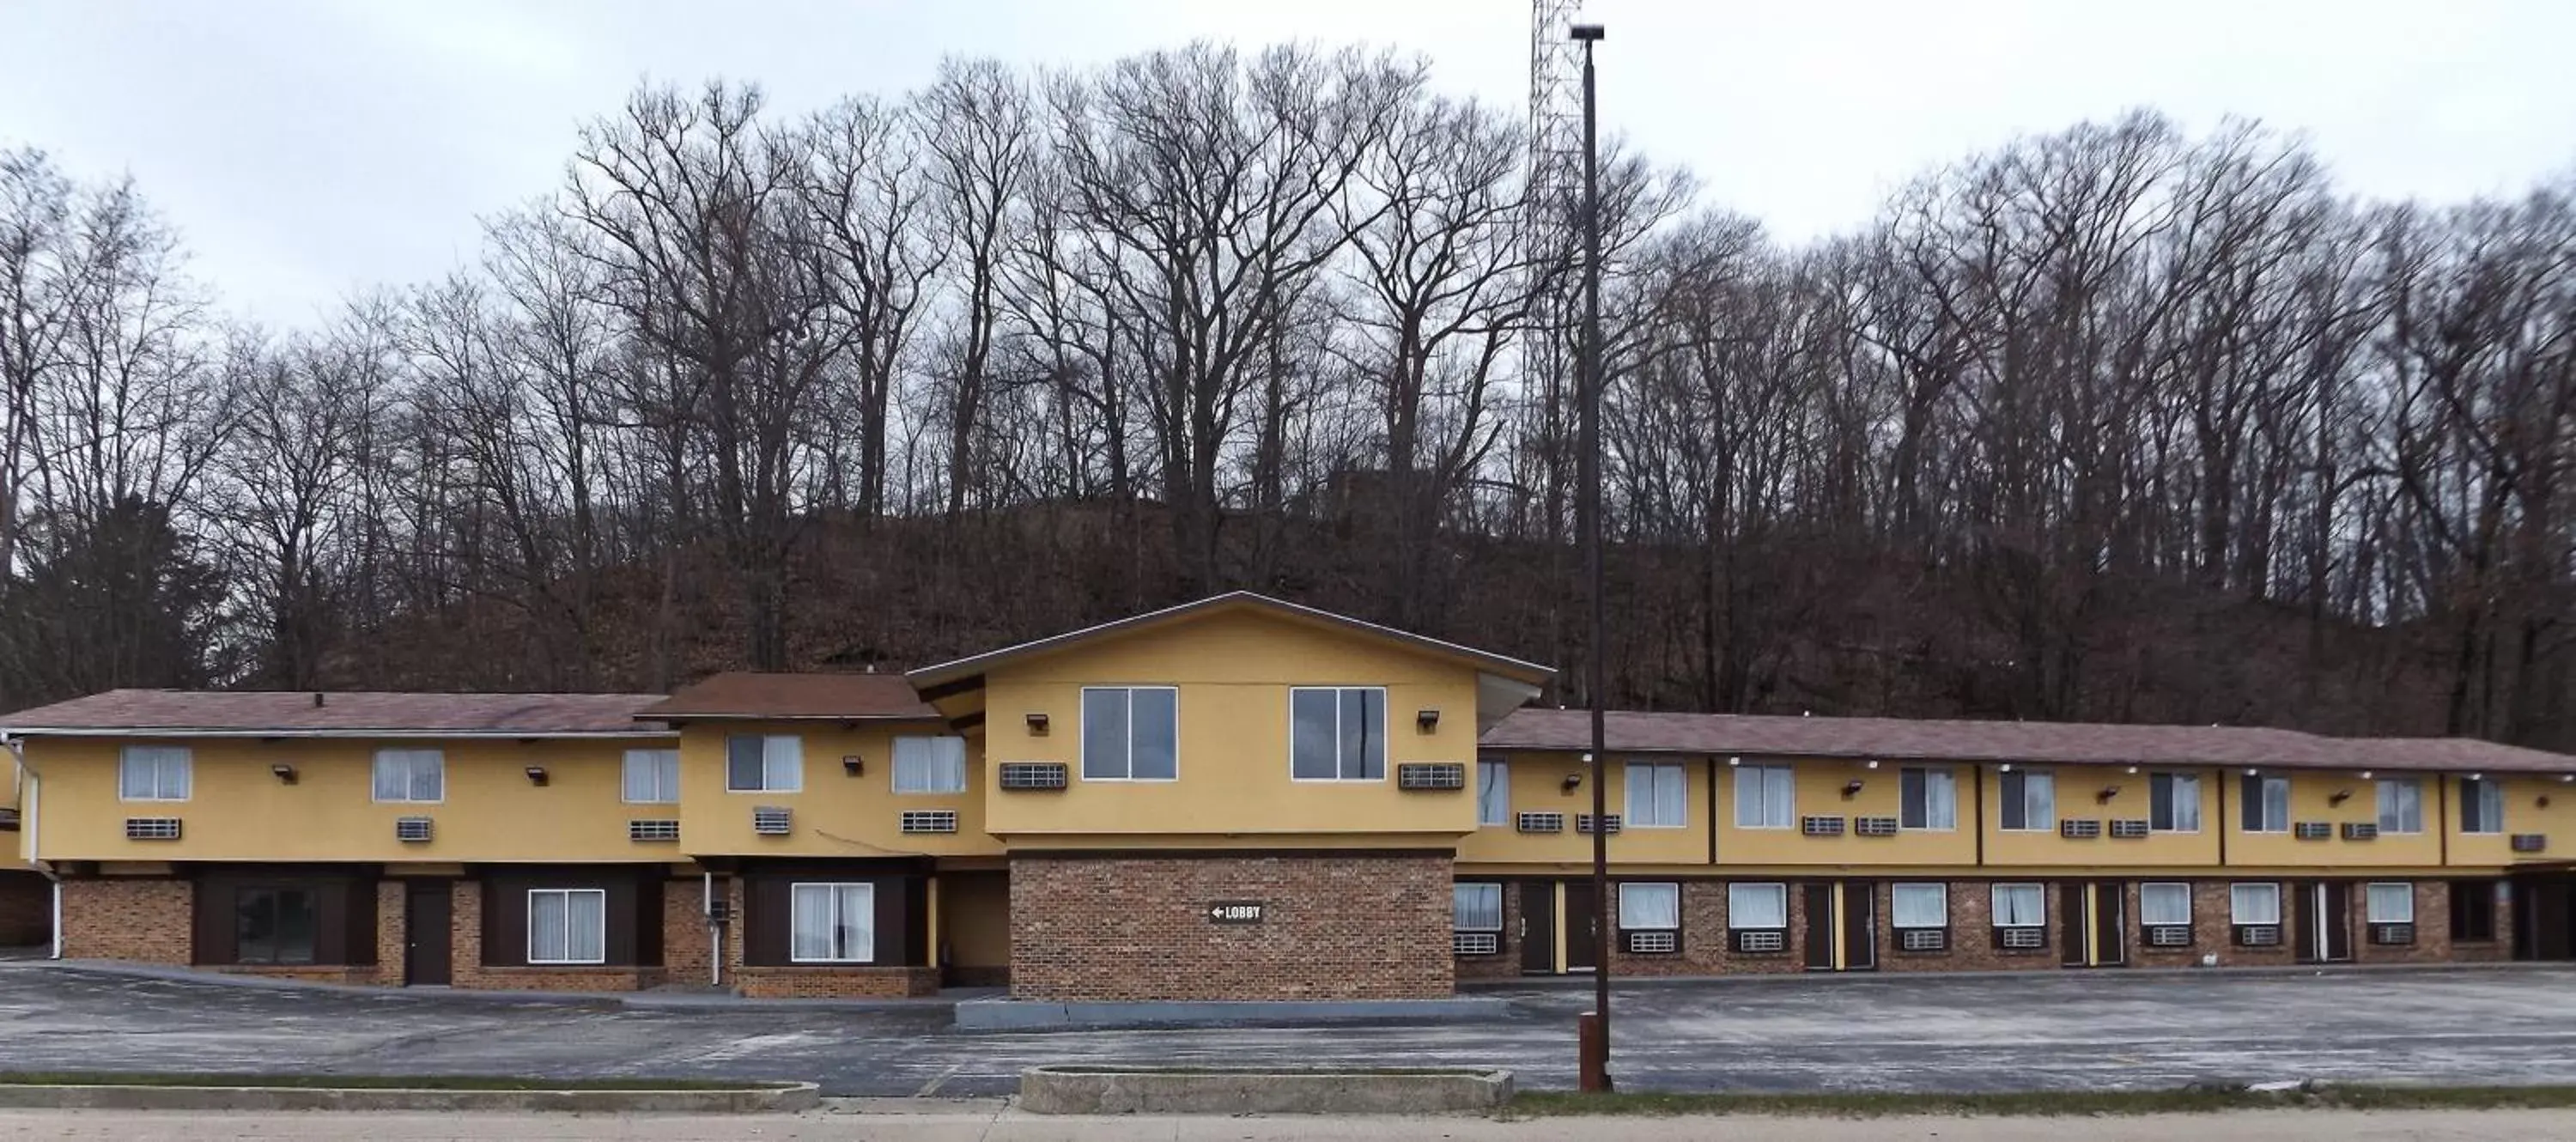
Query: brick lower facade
836, 982
1136, 927
149, 920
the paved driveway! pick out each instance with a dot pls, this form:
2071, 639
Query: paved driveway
2002, 1032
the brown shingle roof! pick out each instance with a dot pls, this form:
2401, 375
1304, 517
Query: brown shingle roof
354, 713
2072, 743
741, 694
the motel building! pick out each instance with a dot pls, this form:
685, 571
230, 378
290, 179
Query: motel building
1234, 799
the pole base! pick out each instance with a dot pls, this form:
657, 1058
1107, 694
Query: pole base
1593, 1046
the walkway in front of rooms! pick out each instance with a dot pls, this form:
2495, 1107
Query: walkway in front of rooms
2007, 1031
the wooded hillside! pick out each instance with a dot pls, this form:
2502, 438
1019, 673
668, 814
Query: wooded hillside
2116, 423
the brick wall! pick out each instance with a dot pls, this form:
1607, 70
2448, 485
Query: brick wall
1505, 964
393, 917
142, 920
1136, 928
26, 909
685, 954
835, 982
465, 943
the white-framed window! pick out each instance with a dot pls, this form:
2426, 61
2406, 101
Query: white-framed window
1762, 907
567, 926
153, 773
1131, 733
2481, 805
926, 764
2173, 802
1650, 906
2164, 903
2390, 902
2256, 905
2020, 906
1658, 796
2267, 804
651, 777
2029, 802
411, 775
832, 923
1919, 905
1337, 733
764, 763
1493, 792
1927, 799
2401, 805
1476, 906
1766, 797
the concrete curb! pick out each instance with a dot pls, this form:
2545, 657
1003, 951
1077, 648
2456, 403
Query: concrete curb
1033, 1015
1146, 1090
785, 1098
604, 1000
1584, 982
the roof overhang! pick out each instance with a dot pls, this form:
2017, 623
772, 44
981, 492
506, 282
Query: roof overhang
410, 733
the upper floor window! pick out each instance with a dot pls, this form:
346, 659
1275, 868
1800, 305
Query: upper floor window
652, 777
2267, 804
2481, 805
2029, 801
1765, 797
1658, 796
2173, 802
1493, 793
929, 764
2401, 805
1927, 799
1337, 733
411, 775
153, 773
1130, 733
764, 763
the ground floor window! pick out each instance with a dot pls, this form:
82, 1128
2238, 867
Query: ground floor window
275, 925
2255, 911
1476, 919
2390, 907
2021, 917
1921, 914
833, 924
2164, 913
2473, 909
1757, 917
1650, 917
567, 926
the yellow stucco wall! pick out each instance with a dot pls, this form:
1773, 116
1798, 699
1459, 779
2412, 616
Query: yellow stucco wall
238, 810
1819, 792
2080, 789
834, 813
1538, 785
2312, 798
2542, 805
1233, 672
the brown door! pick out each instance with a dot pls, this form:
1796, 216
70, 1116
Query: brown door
2334, 903
1582, 919
426, 935
1538, 927
1860, 925
1820, 925
2074, 919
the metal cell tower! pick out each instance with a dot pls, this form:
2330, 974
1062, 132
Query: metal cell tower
1550, 199
1555, 117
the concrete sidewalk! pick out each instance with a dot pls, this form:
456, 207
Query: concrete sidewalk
1010, 1126
668, 1000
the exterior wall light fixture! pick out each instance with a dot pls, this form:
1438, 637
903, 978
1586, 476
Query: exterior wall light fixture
1429, 720
536, 775
285, 773
1038, 724
852, 765
1851, 789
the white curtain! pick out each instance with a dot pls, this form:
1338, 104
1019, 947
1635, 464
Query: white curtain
810, 932
1940, 799
1757, 906
854, 930
153, 773
2186, 803
2255, 903
1921, 905
1658, 795
546, 927
1493, 793
1650, 906
782, 763
1478, 907
2392, 904
1764, 797
652, 776
2039, 801
2401, 806
2276, 804
2164, 904
411, 775
2020, 906
930, 764
586, 926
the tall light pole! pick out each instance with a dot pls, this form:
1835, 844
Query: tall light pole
1595, 1068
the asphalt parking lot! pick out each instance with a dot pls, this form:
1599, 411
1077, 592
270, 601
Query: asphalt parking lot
1972, 1033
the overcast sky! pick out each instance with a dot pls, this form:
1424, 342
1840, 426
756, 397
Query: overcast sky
307, 149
